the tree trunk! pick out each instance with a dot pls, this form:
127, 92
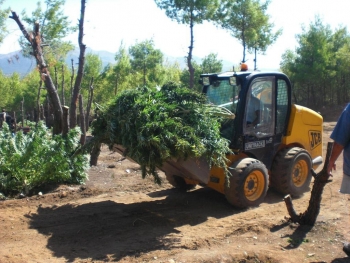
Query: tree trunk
189, 58
42, 114
71, 81
35, 115
89, 102
116, 84
95, 153
255, 51
14, 121
78, 80
38, 117
65, 128
63, 98
82, 121
244, 46
144, 70
48, 112
22, 111
35, 41
56, 77
310, 215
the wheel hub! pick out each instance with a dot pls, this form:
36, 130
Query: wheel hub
300, 173
254, 185
251, 185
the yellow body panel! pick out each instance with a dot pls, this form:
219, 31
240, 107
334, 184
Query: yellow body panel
217, 175
305, 130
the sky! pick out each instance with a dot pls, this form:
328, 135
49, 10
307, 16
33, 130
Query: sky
108, 23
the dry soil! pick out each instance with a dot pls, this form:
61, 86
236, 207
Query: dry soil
119, 217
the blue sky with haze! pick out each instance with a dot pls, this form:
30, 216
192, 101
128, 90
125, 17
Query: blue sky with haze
108, 22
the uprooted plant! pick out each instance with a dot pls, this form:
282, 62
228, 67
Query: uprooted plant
157, 124
28, 161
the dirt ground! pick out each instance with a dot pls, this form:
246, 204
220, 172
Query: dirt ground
120, 217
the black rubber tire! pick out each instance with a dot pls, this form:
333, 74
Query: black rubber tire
179, 182
248, 183
291, 171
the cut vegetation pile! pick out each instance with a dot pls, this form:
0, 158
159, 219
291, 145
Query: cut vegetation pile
154, 125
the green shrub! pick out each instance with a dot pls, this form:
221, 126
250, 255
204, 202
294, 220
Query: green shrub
28, 161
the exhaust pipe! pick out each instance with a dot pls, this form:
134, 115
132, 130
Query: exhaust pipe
317, 161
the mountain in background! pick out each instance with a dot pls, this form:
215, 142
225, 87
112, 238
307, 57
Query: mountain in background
16, 62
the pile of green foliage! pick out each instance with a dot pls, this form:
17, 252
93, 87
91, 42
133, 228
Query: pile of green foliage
154, 125
28, 161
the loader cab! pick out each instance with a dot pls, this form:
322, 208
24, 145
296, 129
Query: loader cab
261, 102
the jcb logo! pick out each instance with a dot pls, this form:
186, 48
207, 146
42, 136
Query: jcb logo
315, 138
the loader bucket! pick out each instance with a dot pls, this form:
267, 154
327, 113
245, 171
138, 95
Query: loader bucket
196, 169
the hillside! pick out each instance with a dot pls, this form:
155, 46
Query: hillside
16, 62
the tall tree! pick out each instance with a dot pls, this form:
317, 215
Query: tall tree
319, 66
186, 76
211, 64
10, 88
35, 43
121, 70
170, 72
265, 37
247, 21
287, 63
3, 17
189, 12
340, 90
313, 62
28, 89
145, 60
54, 27
80, 73
92, 69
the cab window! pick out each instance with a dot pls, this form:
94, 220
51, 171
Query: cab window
259, 118
223, 94
282, 106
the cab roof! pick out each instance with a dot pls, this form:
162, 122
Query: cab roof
240, 74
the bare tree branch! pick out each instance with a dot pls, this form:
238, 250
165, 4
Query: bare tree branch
78, 80
35, 42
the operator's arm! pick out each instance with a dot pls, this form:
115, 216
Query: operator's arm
256, 105
336, 151
257, 118
341, 137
